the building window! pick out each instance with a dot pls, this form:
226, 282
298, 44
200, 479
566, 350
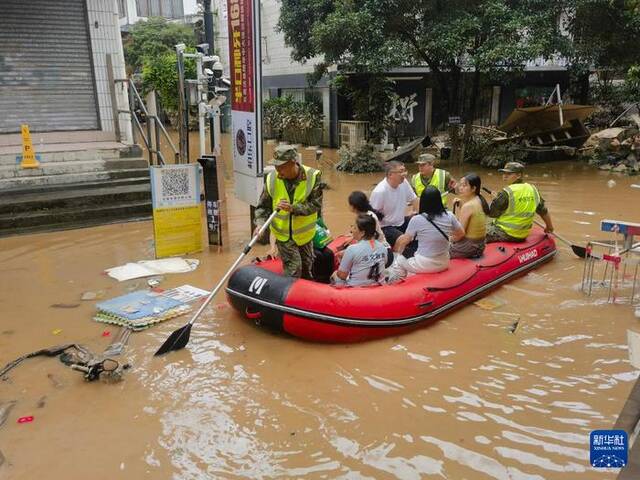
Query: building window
160, 8
122, 8
143, 8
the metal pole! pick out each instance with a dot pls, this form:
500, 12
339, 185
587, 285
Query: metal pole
201, 108
208, 33
183, 108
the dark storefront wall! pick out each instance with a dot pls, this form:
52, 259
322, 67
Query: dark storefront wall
404, 88
46, 75
530, 88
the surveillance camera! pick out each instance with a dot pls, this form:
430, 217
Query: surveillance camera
203, 48
218, 69
226, 81
208, 72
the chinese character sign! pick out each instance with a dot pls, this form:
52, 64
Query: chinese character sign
608, 448
243, 19
240, 18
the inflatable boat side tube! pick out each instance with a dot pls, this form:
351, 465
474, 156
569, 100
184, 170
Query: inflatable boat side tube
276, 307
252, 283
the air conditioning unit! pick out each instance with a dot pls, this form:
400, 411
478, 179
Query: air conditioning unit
353, 134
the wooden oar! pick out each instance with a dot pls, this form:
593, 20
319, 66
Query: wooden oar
180, 337
577, 249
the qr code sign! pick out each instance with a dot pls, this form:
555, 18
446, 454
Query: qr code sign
175, 182
174, 185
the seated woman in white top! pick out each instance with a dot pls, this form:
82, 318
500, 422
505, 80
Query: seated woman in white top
434, 227
364, 261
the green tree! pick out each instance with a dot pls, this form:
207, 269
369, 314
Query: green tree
154, 38
161, 74
605, 35
488, 37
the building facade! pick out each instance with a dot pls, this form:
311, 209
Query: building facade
54, 69
415, 86
132, 11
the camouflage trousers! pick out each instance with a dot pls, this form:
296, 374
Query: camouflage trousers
496, 234
297, 260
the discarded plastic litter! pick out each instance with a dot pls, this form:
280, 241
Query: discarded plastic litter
489, 303
65, 305
611, 183
635, 185
57, 331
28, 419
106, 333
148, 268
93, 295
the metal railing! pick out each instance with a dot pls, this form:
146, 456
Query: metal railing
151, 135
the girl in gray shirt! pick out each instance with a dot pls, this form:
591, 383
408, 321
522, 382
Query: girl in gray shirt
363, 262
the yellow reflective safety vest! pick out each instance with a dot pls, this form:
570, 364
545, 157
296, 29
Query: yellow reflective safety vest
300, 228
437, 180
517, 220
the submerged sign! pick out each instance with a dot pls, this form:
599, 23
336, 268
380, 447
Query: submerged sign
246, 71
177, 219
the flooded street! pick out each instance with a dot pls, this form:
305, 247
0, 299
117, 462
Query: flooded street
464, 398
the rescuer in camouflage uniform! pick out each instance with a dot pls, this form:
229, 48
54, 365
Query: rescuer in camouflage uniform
296, 191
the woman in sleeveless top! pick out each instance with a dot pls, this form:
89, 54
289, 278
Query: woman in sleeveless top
471, 212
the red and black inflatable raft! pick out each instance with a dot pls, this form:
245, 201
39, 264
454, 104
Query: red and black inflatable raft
324, 313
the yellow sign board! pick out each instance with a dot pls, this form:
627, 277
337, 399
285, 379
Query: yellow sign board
177, 230
28, 155
177, 212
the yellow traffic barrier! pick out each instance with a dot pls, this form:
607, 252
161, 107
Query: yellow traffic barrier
28, 155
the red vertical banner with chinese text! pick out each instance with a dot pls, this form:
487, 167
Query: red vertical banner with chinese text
245, 66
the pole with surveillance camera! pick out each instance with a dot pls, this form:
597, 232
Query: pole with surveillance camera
208, 33
183, 106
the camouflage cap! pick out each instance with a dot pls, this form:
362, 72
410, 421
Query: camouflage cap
283, 154
426, 158
512, 167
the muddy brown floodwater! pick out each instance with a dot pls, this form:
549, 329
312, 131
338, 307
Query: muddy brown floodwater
461, 399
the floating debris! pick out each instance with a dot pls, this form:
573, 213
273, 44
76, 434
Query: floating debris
56, 383
490, 303
5, 409
611, 183
57, 331
65, 305
514, 327
41, 402
27, 419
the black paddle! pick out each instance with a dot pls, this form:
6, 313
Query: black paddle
578, 250
180, 337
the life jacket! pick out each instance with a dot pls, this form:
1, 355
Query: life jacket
437, 180
517, 220
300, 228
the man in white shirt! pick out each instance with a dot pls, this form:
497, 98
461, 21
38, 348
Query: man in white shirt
391, 197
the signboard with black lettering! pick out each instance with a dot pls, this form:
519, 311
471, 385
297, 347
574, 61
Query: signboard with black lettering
245, 67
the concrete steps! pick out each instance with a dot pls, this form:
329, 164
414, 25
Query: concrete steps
75, 185
75, 206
